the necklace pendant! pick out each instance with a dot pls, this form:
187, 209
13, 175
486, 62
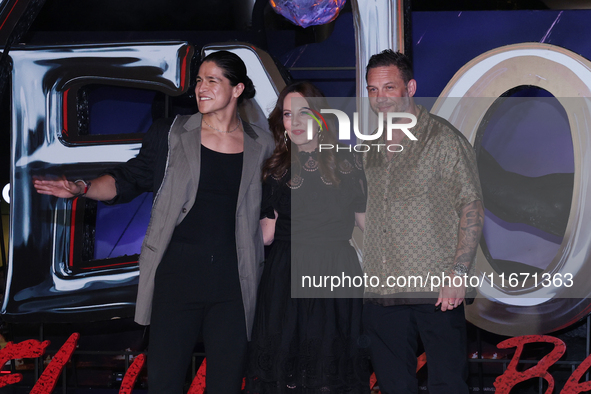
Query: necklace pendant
224, 131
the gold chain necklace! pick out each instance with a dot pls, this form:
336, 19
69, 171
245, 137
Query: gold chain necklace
223, 131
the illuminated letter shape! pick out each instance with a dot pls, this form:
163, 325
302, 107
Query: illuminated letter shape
26, 349
464, 102
511, 376
131, 374
378, 25
48, 378
46, 83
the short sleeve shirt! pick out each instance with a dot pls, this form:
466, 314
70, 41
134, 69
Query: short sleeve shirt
414, 204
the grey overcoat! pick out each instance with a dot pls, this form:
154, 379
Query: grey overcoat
176, 196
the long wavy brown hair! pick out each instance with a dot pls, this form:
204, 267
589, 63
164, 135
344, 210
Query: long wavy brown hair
282, 158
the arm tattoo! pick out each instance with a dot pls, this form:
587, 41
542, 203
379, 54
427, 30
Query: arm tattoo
469, 231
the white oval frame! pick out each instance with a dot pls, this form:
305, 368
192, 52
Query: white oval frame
464, 102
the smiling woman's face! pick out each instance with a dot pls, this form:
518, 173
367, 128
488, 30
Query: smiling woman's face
296, 114
213, 90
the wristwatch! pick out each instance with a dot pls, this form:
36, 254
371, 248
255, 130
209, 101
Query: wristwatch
459, 269
86, 186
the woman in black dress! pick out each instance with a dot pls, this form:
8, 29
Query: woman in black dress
305, 340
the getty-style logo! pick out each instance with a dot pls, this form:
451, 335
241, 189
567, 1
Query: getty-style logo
345, 129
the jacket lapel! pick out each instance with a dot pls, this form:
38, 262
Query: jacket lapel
250, 160
191, 145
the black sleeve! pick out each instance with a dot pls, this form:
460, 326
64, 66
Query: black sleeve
267, 210
137, 175
276, 196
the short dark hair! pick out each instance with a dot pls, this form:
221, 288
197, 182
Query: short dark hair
234, 69
390, 58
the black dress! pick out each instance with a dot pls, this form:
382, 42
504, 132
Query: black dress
310, 345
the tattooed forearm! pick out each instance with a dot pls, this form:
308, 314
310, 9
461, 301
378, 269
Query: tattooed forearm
469, 231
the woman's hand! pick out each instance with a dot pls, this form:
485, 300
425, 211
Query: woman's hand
60, 188
268, 227
102, 188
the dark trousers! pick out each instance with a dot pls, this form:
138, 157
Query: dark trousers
393, 332
174, 331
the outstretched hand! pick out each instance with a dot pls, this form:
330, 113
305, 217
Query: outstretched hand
60, 188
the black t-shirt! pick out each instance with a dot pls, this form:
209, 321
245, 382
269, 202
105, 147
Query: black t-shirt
209, 229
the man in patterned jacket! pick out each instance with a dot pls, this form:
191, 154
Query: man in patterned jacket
424, 220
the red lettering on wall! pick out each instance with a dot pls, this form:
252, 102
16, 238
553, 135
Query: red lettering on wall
132, 374
503, 384
48, 378
198, 384
572, 385
511, 376
421, 361
372, 381
26, 349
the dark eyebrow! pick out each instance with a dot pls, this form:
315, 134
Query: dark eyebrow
385, 84
208, 77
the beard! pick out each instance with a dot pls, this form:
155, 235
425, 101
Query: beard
392, 104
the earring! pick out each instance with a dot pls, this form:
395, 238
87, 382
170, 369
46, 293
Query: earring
285, 137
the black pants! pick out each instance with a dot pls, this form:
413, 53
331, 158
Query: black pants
173, 334
393, 332
184, 306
